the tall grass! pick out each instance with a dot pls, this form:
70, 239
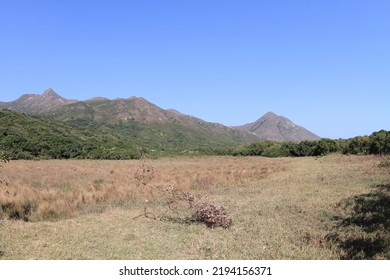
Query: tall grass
53, 190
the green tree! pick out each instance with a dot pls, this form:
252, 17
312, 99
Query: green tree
357, 146
324, 147
380, 142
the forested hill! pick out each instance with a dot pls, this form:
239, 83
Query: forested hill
30, 137
26, 137
38, 136
141, 120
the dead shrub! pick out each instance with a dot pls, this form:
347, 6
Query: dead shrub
193, 208
144, 175
385, 163
17, 211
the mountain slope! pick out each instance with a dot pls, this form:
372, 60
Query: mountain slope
25, 136
36, 103
145, 123
278, 128
148, 125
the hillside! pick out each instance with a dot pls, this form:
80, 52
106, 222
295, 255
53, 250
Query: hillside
38, 136
277, 128
134, 123
25, 137
36, 103
147, 124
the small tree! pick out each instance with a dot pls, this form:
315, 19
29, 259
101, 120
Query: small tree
3, 157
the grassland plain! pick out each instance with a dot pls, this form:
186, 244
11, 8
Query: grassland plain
283, 208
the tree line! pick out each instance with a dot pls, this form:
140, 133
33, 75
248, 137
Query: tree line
378, 143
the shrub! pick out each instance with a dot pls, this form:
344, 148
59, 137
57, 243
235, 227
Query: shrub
3, 157
211, 214
385, 163
200, 209
17, 211
144, 175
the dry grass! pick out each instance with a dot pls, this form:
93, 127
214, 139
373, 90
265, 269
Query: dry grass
281, 208
51, 190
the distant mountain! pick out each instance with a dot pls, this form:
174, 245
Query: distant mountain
36, 103
142, 121
146, 124
278, 128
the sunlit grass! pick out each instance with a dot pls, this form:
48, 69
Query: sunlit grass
281, 208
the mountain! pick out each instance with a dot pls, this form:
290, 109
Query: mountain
36, 103
144, 124
35, 136
278, 128
147, 124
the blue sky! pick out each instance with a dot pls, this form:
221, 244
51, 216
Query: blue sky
323, 64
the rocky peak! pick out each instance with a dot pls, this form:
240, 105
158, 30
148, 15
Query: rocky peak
37, 103
269, 115
277, 128
49, 92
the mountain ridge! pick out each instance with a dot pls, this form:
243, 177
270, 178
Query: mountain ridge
137, 109
33, 103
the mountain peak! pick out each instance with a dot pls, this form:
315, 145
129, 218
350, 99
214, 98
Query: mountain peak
49, 92
37, 103
269, 115
269, 127
278, 128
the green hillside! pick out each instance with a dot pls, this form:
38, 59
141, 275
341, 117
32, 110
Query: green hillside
26, 137
149, 126
47, 137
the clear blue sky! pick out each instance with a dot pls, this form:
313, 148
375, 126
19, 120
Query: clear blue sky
323, 64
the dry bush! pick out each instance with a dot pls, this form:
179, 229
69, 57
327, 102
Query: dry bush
16, 206
385, 163
16, 211
145, 174
193, 208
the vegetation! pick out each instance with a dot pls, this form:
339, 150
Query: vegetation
3, 157
333, 207
31, 137
312, 206
201, 209
53, 190
362, 228
42, 137
376, 144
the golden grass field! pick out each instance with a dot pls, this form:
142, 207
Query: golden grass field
334, 207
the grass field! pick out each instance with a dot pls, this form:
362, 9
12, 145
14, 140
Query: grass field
334, 207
